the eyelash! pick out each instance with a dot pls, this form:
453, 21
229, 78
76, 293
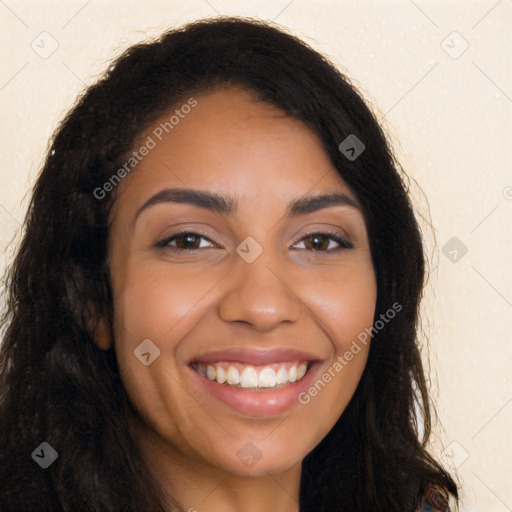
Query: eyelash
164, 244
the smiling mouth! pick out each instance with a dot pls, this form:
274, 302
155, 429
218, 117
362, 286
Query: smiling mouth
253, 377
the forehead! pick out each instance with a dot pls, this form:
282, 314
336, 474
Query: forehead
231, 142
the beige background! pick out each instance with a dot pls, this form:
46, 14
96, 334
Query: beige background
449, 112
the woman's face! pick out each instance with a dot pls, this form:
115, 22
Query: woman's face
243, 295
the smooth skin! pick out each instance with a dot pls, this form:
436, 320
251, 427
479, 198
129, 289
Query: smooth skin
209, 298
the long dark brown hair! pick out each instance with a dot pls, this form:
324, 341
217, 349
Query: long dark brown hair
57, 386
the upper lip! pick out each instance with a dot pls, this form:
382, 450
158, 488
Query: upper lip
256, 357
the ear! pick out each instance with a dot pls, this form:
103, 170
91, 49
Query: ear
102, 335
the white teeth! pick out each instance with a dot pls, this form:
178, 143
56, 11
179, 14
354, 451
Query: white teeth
221, 375
210, 372
281, 376
267, 378
233, 377
247, 376
301, 371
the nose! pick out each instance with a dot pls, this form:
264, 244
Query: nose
260, 294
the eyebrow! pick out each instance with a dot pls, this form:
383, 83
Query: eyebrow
227, 205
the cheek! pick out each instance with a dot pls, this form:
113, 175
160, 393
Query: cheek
344, 302
152, 300
153, 303
345, 307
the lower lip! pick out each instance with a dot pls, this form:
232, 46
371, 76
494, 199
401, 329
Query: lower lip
258, 403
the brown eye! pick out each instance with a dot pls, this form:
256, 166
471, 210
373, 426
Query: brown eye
184, 241
187, 241
317, 242
321, 241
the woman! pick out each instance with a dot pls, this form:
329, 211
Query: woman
215, 302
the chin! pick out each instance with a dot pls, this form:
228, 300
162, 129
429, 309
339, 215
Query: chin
251, 461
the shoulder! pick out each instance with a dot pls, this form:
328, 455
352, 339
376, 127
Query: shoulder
432, 498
